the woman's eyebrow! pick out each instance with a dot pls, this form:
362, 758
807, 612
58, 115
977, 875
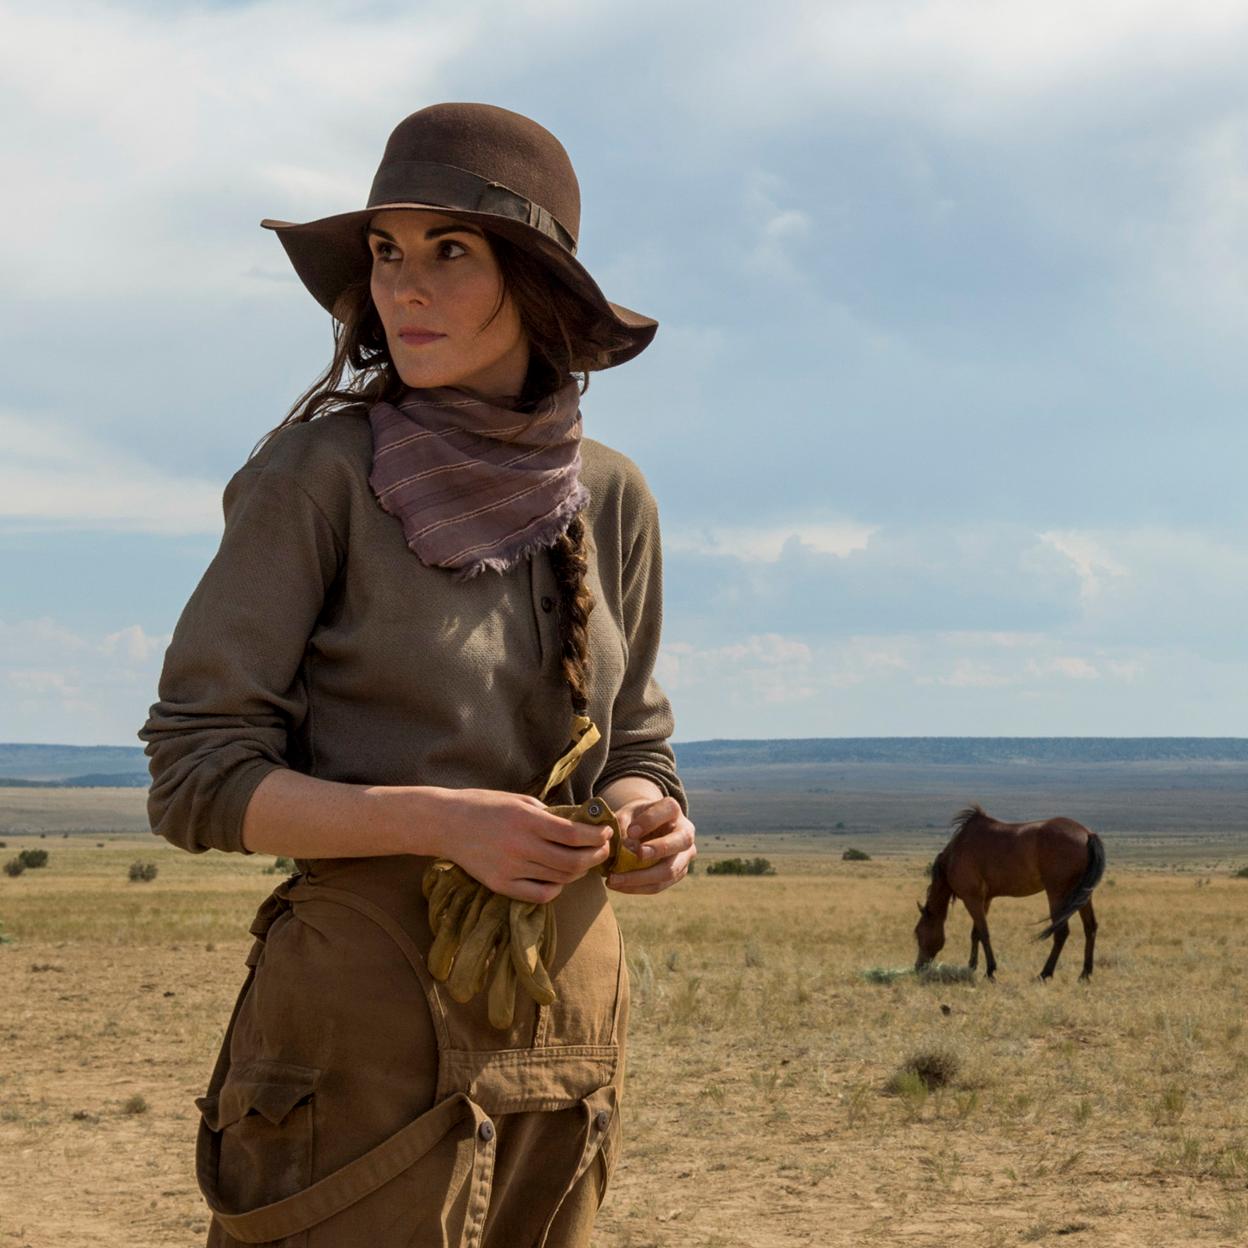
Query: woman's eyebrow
434, 232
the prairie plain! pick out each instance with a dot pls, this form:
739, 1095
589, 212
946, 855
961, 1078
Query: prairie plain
768, 1098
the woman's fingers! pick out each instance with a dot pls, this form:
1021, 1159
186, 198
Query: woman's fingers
656, 878
668, 844
562, 865
663, 837
659, 830
560, 831
531, 890
651, 817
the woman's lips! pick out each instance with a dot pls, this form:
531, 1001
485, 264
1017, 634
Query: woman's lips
415, 338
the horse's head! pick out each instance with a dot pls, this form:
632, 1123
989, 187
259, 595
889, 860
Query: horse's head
929, 931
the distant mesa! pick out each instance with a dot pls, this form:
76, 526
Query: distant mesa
961, 750
37, 766
80, 766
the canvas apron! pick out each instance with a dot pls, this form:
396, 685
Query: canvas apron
354, 1102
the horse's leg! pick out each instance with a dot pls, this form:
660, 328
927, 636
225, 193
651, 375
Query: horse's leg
1059, 939
974, 962
978, 910
991, 962
1088, 916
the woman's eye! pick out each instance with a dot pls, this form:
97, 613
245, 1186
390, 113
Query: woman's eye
382, 251
450, 242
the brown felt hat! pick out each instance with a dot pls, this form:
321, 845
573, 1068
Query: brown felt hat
487, 165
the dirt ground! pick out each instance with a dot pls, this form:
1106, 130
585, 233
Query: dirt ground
760, 1108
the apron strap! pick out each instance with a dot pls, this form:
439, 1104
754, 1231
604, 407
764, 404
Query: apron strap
388, 924
474, 1170
585, 736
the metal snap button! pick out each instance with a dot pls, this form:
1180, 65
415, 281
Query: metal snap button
594, 809
548, 604
486, 1130
602, 1120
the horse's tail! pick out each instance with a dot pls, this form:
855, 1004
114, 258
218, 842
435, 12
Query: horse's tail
1083, 890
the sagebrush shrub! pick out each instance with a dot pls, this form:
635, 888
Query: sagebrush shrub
741, 866
34, 857
142, 870
934, 1068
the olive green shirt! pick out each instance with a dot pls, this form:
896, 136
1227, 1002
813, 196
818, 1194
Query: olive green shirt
316, 640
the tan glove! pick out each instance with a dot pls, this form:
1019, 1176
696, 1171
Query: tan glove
475, 929
480, 936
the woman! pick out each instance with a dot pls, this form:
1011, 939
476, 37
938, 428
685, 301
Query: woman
425, 576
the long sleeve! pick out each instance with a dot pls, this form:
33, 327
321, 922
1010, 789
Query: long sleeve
642, 719
231, 688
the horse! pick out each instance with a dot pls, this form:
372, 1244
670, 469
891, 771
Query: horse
986, 858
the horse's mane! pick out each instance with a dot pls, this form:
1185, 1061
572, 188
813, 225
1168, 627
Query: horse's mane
964, 818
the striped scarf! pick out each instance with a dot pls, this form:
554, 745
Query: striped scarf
476, 485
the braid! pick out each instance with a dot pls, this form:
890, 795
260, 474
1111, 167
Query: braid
569, 561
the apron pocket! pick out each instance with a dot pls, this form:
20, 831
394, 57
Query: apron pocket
264, 1112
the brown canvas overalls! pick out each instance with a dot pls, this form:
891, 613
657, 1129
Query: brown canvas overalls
354, 1102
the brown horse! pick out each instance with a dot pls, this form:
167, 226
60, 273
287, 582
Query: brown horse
986, 859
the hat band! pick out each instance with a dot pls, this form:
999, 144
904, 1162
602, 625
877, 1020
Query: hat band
422, 182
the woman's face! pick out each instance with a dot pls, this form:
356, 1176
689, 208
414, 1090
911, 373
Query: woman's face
435, 282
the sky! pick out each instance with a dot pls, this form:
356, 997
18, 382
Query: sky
945, 416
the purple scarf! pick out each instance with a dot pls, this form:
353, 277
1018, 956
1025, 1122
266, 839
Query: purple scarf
475, 485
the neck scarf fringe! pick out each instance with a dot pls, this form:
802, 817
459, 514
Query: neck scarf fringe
476, 485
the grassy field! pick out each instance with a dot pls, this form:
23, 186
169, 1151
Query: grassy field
769, 1101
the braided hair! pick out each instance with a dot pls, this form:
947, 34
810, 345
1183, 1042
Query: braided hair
568, 558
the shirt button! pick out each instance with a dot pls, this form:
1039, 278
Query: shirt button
548, 604
602, 1120
486, 1130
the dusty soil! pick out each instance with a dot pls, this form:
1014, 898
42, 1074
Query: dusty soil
759, 1111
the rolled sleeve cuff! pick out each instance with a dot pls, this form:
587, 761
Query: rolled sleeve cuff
661, 771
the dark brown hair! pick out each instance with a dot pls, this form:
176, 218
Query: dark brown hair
567, 337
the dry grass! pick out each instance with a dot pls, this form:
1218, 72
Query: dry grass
769, 1102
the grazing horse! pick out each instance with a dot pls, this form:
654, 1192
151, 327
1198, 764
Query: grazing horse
986, 858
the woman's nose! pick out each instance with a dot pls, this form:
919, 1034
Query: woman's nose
412, 285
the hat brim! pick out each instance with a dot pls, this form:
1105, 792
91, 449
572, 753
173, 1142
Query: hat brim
332, 253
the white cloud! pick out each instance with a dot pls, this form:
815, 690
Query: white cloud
1092, 563
1197, 256
769, 667
134, 644
1125, 669
767, 543
55, 476
1070, 666
57, 684
147, 120
968, 674
1003, 640
779, 230
967, 64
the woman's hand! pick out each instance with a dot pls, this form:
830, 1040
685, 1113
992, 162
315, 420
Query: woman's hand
658, 832
515, 846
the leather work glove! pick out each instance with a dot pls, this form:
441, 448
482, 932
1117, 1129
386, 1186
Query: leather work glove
481, 937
